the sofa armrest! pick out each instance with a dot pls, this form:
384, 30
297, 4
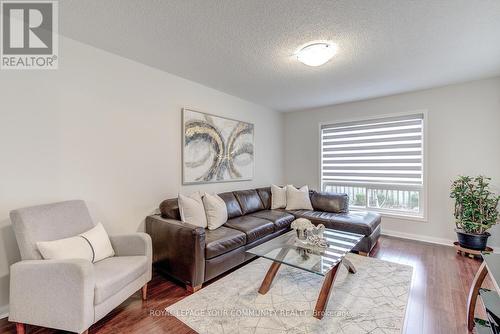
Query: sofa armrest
53, 293
178, 248
132, 245
330, 202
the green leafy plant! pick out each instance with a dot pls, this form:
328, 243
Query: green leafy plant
475, 205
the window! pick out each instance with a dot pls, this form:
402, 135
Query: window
378, 163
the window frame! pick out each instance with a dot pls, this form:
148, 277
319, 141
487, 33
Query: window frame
422, 216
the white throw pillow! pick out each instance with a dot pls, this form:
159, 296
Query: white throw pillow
99, 241
63, 249
192, 210
298, 199
93, 245
278, 197
215, 209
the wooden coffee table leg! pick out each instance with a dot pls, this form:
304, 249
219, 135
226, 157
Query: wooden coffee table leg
473, 293
348, 264
324, 294
271, 273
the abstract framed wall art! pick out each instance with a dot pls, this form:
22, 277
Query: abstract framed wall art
216, 149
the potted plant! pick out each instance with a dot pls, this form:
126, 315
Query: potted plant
475, 210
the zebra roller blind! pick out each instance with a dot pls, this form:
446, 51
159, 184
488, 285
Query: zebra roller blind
385, 151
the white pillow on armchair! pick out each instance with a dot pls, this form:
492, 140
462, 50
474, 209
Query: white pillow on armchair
93, 245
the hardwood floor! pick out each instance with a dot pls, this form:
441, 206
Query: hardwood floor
441, 281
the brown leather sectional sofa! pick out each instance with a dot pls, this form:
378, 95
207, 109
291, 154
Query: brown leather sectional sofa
194, 255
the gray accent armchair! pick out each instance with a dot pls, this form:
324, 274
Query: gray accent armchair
71, 294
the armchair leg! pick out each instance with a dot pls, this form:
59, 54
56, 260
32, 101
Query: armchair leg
20, 328
144, 291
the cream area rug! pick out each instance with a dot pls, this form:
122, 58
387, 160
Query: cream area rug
371, 301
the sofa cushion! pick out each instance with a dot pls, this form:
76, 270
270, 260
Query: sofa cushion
281, 219
233, 207
254, 228
265, 197
329, 202
360, 222
114, 273
249, 201
222, 240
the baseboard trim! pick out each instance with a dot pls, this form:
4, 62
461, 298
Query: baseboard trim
424, 238
4, 311
418, 237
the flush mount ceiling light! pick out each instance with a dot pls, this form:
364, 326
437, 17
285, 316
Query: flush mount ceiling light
316, 54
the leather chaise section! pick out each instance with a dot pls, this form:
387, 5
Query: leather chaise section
254, 228
222, 240
281, 219
368, 242
249, 201
361, 222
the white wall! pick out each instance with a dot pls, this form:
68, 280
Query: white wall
108, 130
463, 138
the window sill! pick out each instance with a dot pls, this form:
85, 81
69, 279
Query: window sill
418, 219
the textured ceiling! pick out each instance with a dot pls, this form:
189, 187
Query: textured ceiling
245, 47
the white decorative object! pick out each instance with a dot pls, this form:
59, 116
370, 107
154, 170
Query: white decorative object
318, 230
278, 197
315, 236
301, 225
215, 210
192, 210
308, 233
93, 245
314, 240
298, 199
216, 149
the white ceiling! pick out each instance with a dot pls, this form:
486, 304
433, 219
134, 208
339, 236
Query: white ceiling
245, 47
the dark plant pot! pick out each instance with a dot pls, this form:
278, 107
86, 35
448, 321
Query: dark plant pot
472, 241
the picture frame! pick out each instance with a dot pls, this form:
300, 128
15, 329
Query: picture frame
216, 148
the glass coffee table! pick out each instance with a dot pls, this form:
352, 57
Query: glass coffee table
287, 249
